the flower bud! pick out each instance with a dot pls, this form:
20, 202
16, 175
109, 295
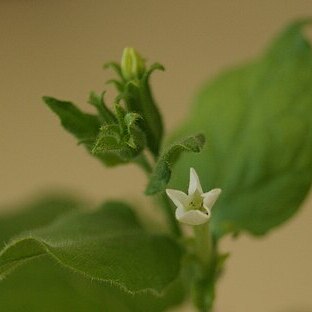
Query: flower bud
132, 64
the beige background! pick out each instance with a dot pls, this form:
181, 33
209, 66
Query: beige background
57, 48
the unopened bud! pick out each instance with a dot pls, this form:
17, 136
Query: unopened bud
132, 64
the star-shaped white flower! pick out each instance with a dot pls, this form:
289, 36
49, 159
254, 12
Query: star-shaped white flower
193, 208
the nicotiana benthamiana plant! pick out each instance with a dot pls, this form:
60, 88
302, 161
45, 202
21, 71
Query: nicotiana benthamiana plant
245, 153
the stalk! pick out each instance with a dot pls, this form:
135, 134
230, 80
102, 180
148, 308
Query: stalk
204, 283
144, 164
169, 212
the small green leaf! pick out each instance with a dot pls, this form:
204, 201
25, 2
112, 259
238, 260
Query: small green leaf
258, 121
116, 67
104, 112
118, 84
138, 98
125, 139
134, 89
82, 125
151, 69
162, 172
108, 245
109, 139
85, 127
137, 95
137, 138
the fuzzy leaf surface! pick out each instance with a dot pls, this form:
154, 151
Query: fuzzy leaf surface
108, 245
35, 213
42, 285
85, 127
162, 172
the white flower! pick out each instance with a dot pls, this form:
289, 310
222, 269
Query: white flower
193, 208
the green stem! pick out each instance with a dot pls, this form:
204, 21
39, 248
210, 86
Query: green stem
204, 283
143, 162
203, 244
169, 212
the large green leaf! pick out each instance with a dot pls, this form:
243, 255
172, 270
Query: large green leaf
257, 120
108, 245
42, 285
36, 213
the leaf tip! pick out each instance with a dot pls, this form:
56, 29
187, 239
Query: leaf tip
47, 99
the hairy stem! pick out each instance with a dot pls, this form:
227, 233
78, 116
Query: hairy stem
204, 283
203, 244
143, 162
172, 221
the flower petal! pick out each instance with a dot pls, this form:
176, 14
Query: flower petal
179, 198
194, 183
179, 213
210, 198
192, 217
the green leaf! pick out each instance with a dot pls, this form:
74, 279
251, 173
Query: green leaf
108, 245
116, 67
108, 140
37, 213
258, 121
162, 172
85, 127
134, 89
43, 286
125, 140
138, 97
82, 125
104, 112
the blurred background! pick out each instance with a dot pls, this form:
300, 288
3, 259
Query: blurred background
58, 47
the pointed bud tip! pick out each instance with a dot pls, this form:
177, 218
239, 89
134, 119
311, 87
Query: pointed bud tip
132, 64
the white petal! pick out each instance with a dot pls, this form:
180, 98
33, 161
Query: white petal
194, 183
179, 198
192, 217
210, 198
179, 213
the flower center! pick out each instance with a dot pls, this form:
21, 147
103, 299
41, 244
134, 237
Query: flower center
196, 203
